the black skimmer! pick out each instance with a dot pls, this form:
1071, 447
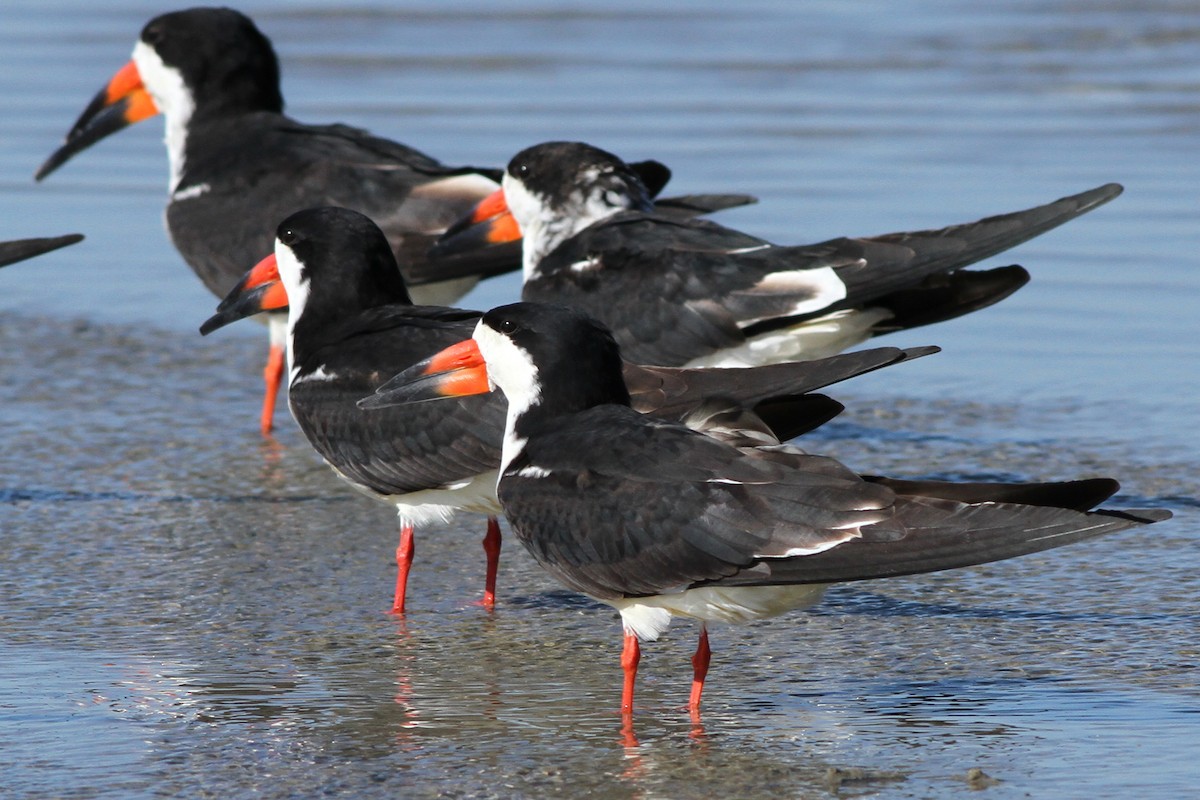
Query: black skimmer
659, 520
21, 249
238, 165
351, 326
694, 293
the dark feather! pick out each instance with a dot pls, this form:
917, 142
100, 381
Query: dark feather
692, 285
21, 249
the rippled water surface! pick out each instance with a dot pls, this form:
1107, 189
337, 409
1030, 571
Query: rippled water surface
189, 610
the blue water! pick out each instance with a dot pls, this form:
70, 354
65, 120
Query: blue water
186, 609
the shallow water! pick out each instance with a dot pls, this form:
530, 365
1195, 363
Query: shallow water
187, 610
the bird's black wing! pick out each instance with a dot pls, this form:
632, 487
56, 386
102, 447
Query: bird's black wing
615, 504
266, 157
676, 290
898, 261
939, 526
403, 448
670, 392
20, 249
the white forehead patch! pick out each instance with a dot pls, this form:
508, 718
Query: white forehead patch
509, 366
291, 274
174, 100
525, 206
297, 288
511, 369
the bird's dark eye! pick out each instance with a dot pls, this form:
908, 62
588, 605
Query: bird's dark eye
522, 170
509, 326
152, 35
288, 236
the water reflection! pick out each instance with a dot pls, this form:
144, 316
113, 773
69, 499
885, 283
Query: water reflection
421, 687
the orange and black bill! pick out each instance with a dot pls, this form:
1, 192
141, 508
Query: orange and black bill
260, 290
121, 103
457, 371
488, 225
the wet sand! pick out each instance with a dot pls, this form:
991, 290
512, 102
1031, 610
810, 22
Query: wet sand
188, 608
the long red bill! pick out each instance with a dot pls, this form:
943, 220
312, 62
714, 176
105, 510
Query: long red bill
490, 223
122, 102
457, 371
258, 291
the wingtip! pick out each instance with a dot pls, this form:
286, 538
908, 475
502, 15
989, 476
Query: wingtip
22, 249
1143, 516
910, 353
1094, 198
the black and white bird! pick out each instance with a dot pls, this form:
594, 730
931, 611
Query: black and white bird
20, 249
660, 520
238, 164
351, 326
694, 293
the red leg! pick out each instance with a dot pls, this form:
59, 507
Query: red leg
699, 670
631, 654
404, 557
630, 741
491, 546
273, 376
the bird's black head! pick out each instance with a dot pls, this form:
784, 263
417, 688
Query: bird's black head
552, 357
564, 175
226, 62
336, 262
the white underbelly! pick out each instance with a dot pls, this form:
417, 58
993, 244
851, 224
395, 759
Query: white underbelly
476, 494
649, 617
